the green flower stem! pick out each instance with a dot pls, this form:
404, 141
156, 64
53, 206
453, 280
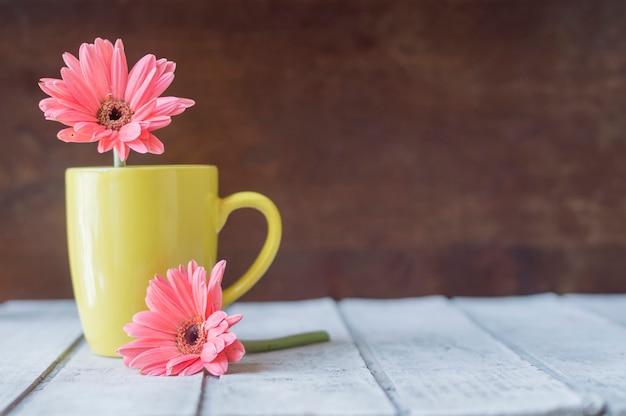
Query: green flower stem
273, 344
117, 162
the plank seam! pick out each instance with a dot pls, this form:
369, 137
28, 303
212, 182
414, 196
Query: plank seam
594, 404
49, 373
375, 368
203, 387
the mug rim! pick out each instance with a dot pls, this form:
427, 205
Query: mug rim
141, 168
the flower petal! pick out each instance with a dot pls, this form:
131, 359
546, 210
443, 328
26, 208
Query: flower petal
172, 106
69, 135
154, 356
218, 366
192, 369
89, 129
182, 362
122, 150
107, 143
119, 71
132, 349
235, 351
184, 292
141, 331
94, 67
156, 369
82, 92
215, 288
129, 132
137, 79
154, 145
138, 146
198, 286
161, 297
157, 320
233, 319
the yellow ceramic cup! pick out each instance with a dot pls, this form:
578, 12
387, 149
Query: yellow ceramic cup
126, 224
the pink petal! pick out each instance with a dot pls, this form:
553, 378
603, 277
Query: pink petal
215, 319
161, 83
209, 351
138, 345
137, 78
129, 132
89, 129
154, 145
119, 70
233, 319
182, 362
217, 330
65, 115
145, 111
69, 135
155, 356
81, 91
155, 123
227, 338
144, 92
161, 297
215, 288
184, 292
56, 88
104, 48
140, 331
213, 329
107, 143
215, 345
171, 106
138, 146
198, 286
165, 76
122, 150
217, 366
192, 268
157, 320
95, 69
156, 369
235, 351
132, 349
72, 62
194, 368
66, 111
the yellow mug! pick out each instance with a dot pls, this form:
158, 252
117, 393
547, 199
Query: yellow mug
124, 225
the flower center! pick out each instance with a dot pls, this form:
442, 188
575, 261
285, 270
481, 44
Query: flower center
113, 114
190, 336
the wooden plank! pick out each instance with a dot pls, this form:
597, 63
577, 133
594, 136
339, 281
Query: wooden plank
433, 360
584, 350
34, 336
324, 379
88, 384
611, 306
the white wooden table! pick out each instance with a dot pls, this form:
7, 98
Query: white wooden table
535, 355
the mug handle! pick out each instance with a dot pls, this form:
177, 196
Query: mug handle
274, 233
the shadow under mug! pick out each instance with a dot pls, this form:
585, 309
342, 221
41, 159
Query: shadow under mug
124, 225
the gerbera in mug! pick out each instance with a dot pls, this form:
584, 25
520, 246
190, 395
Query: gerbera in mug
101, 101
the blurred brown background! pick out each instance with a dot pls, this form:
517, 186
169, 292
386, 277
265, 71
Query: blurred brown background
468, 147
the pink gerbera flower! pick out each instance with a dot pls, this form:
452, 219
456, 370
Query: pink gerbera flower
184, 331
101, 101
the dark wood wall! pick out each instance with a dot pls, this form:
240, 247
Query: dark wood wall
468, 147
